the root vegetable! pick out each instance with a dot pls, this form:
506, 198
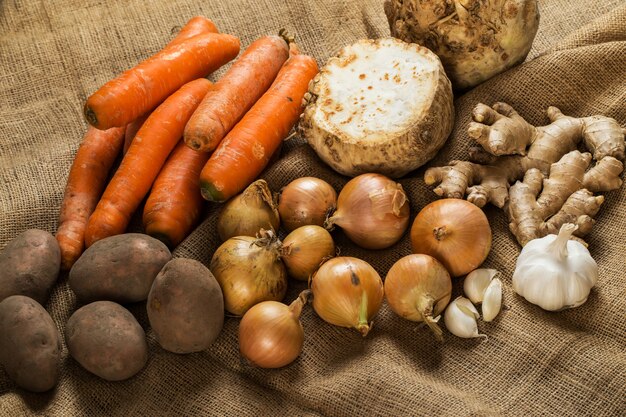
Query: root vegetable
306, 201
380, 106
418, 288
347, 292
513, 149
453, 231
249, 212
249, 270
372, 210
474, 39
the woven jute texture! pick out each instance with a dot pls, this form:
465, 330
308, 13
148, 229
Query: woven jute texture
54, 53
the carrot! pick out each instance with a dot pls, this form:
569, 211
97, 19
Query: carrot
242, 85
155, 140
174, 205
85, 184
131, 131
248, 147
143, 87
195, 26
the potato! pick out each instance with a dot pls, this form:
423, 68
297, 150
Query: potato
106, 340
185, 306
119, 268
30, 265
30, 344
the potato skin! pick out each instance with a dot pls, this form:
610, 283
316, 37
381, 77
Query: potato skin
185, 306
30, 345
30, 265
107, 340
119, 268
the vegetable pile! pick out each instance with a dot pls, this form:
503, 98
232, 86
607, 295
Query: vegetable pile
377, 111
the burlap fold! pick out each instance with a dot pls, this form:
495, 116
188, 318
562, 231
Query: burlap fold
53, 54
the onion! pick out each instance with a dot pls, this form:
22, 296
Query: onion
453, 231
270, 333
249, 270
305, 249
418, 288
247, 213
372, 210
347, 292
305, 201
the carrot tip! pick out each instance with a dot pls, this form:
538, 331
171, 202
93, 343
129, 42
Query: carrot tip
210, 193
90, 115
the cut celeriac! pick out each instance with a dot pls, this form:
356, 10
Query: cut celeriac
380, 106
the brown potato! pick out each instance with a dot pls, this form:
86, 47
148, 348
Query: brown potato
107, 341
119, 268
185, 306
30, 265
30, 344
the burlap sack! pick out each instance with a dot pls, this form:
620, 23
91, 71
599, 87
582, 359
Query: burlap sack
53, 54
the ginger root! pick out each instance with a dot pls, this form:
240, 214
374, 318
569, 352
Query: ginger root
536, 159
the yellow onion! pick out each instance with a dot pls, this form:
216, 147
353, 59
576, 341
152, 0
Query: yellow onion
249, 270
247, 213
453, 231
347, 292
305, 249
304, 201
418, 288
372, 210
270, 333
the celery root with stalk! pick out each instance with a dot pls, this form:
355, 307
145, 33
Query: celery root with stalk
536, 159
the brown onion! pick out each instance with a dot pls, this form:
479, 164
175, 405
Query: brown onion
305, 201
372, 210
270, 333
305, 249
249, 270
418, 288
247, 213
347, 292
453, 231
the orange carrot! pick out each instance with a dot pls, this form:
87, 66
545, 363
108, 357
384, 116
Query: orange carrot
131, 130
246, 80
143, 87
246, 150
85, 184
174, 205
155, 140
195, 26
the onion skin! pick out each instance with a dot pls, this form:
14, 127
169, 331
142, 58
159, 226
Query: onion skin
453, 231
247, 213
418, 288
372, 210
270, 333
347, 292
248, 273
305, 249
306, 201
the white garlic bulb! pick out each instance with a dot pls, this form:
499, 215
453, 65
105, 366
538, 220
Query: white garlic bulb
460, 318
554, 272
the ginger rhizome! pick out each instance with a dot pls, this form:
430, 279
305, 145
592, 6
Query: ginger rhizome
552, 181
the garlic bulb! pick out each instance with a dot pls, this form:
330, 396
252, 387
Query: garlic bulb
460, 318
554, 272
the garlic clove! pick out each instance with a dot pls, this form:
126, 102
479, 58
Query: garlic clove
476, 283
460, 318
492, 300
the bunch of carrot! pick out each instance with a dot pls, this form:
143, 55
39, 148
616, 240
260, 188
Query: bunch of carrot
182, 137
